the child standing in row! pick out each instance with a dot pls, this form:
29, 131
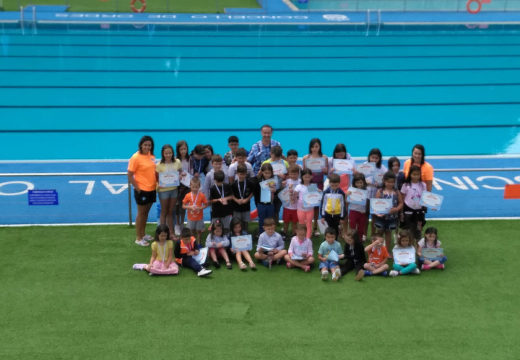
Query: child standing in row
181, 148
290, 210
217, 243
318, 174
300, 250
377, 257
388, 223
357, 217
330, 253
270, 247
265, 206
333, 203
195, 202
305, 215
406, 247
220, 197
242, 190
161, 262
412, 190
430, 241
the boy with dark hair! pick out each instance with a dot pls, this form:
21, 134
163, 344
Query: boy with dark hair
241, 158
333, 203
229, 157
220, 197
242, 190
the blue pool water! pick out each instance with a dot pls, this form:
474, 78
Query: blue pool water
85, 93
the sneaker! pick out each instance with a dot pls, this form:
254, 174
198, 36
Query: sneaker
147, 238
139, 266
336, 275
360, 274
394, 273
425, 267
416, 271
384, 273
289, 265
324, 275
204, 272
440, 266
177, 230
368, 273
142, 242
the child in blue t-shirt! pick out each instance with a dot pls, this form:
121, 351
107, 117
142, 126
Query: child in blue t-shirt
329, 253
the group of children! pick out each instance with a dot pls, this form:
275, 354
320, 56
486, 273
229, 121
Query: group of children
228, 185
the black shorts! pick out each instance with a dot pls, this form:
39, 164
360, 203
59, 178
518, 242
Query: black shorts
145, 197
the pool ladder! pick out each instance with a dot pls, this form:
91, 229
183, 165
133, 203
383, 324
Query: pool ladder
22, 19
368, 17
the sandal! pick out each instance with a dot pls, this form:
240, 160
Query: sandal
242, 266
252, 266
229, 266
306, 268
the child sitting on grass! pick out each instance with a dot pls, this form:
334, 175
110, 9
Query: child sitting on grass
217, 243
330, 253
161, 262
404, 246
185, 249
354, 254
237, 230
430, 241
300, 250
270, 248
377, 256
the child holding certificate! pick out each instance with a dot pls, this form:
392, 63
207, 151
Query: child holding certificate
430, 241
375, 180
185, 250
340, 153
290, 209
388, 222
412, 191
333, 203
357, 216
280, 167
300, 250
317, 163
217, 243
161, 262
404, 255
330, 253
305, 215
265, 187
270, 247
168, 172
354, 254
236, 230
377, 256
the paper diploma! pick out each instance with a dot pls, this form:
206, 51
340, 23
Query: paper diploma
185, 179
168, 179
242, 242
315, 164
279, 168
380, 206
431, 201
343, 166
357, 196
432, 253
404, 256
312, 199
366, 169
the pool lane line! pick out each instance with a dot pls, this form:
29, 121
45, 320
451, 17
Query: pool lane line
296, 87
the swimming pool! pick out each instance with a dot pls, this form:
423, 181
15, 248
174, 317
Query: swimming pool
79, 92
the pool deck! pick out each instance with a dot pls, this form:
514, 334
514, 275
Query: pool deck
273, 12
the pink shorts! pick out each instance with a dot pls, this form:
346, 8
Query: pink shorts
159, 269
290, 215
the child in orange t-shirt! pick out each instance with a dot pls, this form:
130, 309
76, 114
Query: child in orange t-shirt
377, 256
195, 202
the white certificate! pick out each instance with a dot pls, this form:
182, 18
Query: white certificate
380, 206
312, 199
404, 256
265, 190
285, 196
366, 169
357, 196
431, 201
242, 243
333, 256
343, 166
279, 168
297, 257
185, 179
201, 257
168, 178
315, 164
432, 253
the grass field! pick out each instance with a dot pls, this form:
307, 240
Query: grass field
162, 6
71, 293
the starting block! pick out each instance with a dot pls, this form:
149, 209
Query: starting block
512, 191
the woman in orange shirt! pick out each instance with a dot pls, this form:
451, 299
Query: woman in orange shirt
141, 174
417, 159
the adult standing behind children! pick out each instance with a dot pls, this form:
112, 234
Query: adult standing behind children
261, 150
417, 159
141, 174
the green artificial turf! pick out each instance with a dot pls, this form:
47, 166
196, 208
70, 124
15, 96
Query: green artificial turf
161, 6
71, 293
